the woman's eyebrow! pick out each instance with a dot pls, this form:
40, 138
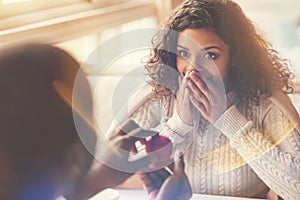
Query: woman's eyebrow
203, 49
183, 47
211, 47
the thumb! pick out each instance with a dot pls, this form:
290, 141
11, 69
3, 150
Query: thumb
179, 79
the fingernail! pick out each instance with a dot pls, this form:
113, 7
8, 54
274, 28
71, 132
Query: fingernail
193, 74
188, 74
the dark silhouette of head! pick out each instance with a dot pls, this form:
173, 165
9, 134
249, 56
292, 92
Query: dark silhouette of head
42, 155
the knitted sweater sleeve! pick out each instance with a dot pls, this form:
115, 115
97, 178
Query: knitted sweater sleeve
273, 151
180, 133
153, 115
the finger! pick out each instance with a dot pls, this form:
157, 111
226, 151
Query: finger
122, 145
156, 178
159, 176
184, 81
186, 99
163, 173
128, 140
181, 95
178, 163
148, 183
152, 180
127, 126
182, 86
140, 134
179, 85
122, 129
130, 128
200, 107
197, 104
196, 78
125, 140
179, 79
198, 93
184, 108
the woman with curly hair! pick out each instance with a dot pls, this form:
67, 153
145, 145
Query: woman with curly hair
232, 116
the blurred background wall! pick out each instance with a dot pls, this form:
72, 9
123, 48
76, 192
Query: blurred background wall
79, 26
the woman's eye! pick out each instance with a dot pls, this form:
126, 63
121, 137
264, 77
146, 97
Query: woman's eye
183, 53
210, 56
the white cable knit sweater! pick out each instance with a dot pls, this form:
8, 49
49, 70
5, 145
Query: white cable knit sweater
249, 149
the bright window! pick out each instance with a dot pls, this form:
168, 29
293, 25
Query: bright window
10, 8
57, 21
90, 42
13, 1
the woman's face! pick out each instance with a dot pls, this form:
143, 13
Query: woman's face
204, 51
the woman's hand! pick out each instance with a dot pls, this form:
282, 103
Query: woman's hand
183, 105
207, 97
162, 184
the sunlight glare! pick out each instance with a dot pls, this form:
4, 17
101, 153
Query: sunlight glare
13, 1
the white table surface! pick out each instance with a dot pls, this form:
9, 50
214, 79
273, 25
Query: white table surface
125, 194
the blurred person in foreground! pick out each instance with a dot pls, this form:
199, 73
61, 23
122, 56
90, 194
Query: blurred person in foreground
46, 147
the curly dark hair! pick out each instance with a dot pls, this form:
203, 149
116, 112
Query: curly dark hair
256, 68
